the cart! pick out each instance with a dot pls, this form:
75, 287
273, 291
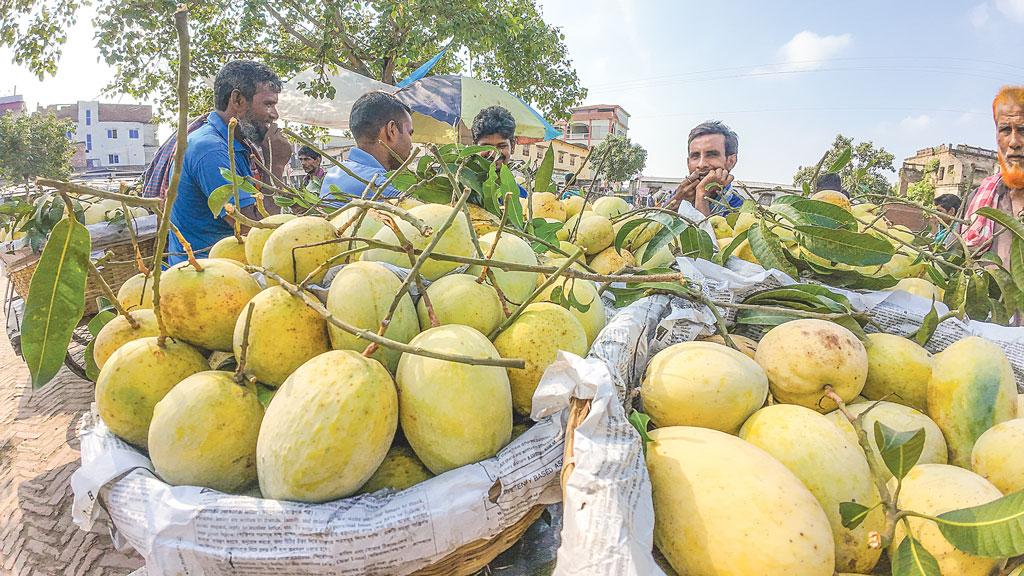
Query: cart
114, 253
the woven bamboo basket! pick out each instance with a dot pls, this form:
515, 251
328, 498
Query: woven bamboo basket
473, 557
119, 267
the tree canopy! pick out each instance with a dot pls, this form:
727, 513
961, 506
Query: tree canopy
626, 159
34, 145
864, 174
505, 42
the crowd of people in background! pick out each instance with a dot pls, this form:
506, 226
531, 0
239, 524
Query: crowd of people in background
382, 128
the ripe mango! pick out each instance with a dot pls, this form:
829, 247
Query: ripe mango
832, 467
204, 433
453, 414
229, 248
608, 261
585, 292
516, 285
284, 333
971, 390
536, 336
361, 295
400, 469
136, 292
801, 357
747, 346
702, 384
545, 205
936, 488
724, 506
328, 428
997, 456
118, 331
459, 299
201, 307
256, 239
610, 206
898, 417
898, 371
296, 249
455, 241
594, 234
573, 204
137, 376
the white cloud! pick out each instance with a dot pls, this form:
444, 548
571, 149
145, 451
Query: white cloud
979, 15
807, 50
915, 123
1012, 9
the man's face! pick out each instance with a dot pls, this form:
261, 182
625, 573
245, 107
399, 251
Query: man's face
707, 153
398, 137
256, 116
309, 164
944, 214
503, 145
1010, 141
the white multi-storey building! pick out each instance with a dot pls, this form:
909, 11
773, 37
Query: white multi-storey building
119, 137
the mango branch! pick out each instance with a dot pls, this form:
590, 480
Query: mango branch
187, 247
319, 308
244, 220
244, 352
82, 190
537, 292
184, 60
232, 124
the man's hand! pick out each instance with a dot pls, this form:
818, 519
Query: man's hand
686, 190
710, 188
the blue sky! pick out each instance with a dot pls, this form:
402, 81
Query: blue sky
787, 76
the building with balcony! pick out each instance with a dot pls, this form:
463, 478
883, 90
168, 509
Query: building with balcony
568, 157
116, 137
960, 168
591, 125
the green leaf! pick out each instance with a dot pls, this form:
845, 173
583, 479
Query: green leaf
844, 246
92, 371
626, 229
1000, 313
97, 322
841, 161
218, 198
475, 149
1009, 222
763, 318
641, 422
806, 186
1016, 264
815, 213
265, 394
542, 180
851, 324
56, 300
489, 192
508, 188
976, 304
546, 231
899, 450
853, 514
663, 237
627, 295
797, 290
956, 294
724, 253
928, 326
911, 559
993, 530
767, 248
694, 243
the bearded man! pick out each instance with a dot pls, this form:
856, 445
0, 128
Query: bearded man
1004, 190
246, 91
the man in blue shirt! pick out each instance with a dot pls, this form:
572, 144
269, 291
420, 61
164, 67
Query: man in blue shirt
243, 90
382, 128
711, 156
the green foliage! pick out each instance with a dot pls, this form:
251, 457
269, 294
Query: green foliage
34, 145
899, 450
505, 42
626, 159
641, 422
911, 559
923, 191
994, 530
863, 174
56, 300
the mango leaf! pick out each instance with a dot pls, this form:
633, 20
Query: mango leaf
1000, 313
767, 248
899, 450
56, 300
841, 161
92, 371
265, 394
724, 253
627, 295
844, 246
218, 198
626, 229
763, 318
1016, 264
475, 149
97, 322
806, 186
1009, 222
641, 421
853, 514
508, 188
937, 277
976, 304
911, 559
928, 326
542, 179
993, 530
851, 324
663, 237
694, 243
546, 231
489, 192
815, 213
956, 294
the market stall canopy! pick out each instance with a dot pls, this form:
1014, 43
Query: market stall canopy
441, 105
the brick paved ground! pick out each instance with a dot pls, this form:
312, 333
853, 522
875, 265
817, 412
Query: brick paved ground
38, 453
